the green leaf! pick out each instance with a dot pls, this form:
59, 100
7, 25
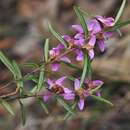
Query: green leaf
8, 107
65, 105
89, 69
68, 113
46, 50
30, 77
41, 80
119, 25
85, 66
43, 105
18, 75
71, 78
94, 90
85, 13
81, 19
71, 65
7, 63
34, 90
102, 100
120, 12
119, 32
23, 113
31, 65
57, 35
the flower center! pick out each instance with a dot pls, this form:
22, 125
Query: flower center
88, 47
100, 36
79, 93
57, 89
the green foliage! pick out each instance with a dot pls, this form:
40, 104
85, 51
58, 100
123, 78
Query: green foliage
18, 75
7, 63
23, 112
14, 69
7, 106
30, 65
68, 115
102, 100
86, 68
43, 105
65, 105
119, 25
46, 50
81, 19
57, 35
119, 14
41, 80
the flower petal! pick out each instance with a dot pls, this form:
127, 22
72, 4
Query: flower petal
60, 80
79, 36
106, 21
60, 47
79, 42
47, 96
98, 94
54, 66
76, 84
91, 54
79, 56
81, 104
67, 38
97, 83
50, 82
69, 96
65, 59
101, 45
93, 26
107, 34
67, 90
78, 28
92, 40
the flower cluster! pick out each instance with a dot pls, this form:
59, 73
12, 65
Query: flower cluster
78, 93
97, 35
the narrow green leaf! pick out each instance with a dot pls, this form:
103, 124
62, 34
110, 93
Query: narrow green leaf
30, 77
34, 90
102, 100
43, 105
89, 69
30, 64
84, 70
57, 35
18, 75
81, 19
8, 107
71, 65
119, 32
85, 13
119, 25
41, 80
65, 105
7, 62
23, 113
71, 78
46, 50
120, 12
68, 113
94, 90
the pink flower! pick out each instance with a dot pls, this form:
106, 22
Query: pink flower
84, 91
54, 53
81, 93
108, 22
56, 87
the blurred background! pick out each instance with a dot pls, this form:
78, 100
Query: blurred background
23, 29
